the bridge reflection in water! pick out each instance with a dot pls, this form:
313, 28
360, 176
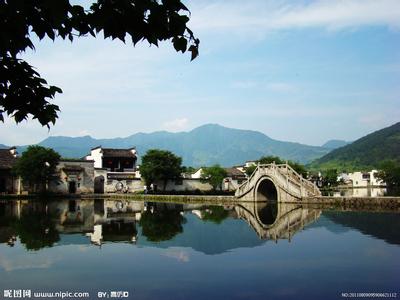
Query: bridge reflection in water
276, 220
45, 224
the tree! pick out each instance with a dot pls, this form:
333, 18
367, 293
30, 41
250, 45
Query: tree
23, 92
37, 165
160, 165
390, 173
330, 178
271, 159
213, 175
299, 168
250, 170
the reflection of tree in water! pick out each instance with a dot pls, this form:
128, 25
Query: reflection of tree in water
162, 224
117, 231
36, 230
215, 214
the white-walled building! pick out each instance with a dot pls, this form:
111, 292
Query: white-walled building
365, 179
74, 177
115, 170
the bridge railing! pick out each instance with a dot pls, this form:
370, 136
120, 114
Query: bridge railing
295, 179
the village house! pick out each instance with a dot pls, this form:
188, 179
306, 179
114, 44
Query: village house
234, 179
115, 170
73, 176
231, 182
364, 179
8, 181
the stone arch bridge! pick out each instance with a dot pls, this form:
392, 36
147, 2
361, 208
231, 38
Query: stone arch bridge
273, 182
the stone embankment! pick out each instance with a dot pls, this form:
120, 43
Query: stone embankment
384, 203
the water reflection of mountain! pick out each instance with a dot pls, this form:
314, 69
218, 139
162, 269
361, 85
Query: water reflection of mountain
384, 226
209, 238
329, 225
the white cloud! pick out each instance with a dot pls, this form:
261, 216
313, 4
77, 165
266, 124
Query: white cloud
176, 125
259, 17
18, 262
179, 255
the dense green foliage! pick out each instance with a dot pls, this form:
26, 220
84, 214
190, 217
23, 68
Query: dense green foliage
330, 178
250, 170
23, 92
37, 165
390, 173
162, 224
299, 168
215, 214
160, 165
36, 230
365, 153
203, 146
214, 175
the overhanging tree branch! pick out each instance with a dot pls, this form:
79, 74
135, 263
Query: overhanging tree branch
23, 92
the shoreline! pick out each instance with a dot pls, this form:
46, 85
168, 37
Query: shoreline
387, 202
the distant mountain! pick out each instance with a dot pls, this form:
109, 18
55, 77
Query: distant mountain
334, 144
385, 226
366, 152
3, 146
205, 145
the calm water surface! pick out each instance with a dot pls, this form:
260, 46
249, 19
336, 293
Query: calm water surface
195, 251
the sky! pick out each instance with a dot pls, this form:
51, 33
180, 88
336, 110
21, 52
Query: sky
302, 71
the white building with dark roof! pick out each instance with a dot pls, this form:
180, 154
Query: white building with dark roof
115, 170
114, 160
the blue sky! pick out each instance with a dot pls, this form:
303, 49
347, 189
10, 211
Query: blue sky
304, 71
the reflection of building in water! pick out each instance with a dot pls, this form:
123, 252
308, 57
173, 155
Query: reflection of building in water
115, 221
103, 221
72, 216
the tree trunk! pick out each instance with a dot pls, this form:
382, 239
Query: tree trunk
165, 184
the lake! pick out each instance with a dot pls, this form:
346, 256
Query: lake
149, 250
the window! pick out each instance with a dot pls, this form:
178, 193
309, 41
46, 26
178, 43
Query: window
365, 176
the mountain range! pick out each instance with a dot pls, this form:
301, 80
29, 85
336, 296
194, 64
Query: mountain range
212, 143
205, 145
365, 153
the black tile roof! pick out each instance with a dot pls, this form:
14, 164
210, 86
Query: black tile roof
233, 172
107, 152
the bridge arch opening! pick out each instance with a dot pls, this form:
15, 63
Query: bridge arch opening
266, 191
267, 202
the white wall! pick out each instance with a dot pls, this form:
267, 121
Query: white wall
84, 179
184, 185
197, 174
359, 181
96, 155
